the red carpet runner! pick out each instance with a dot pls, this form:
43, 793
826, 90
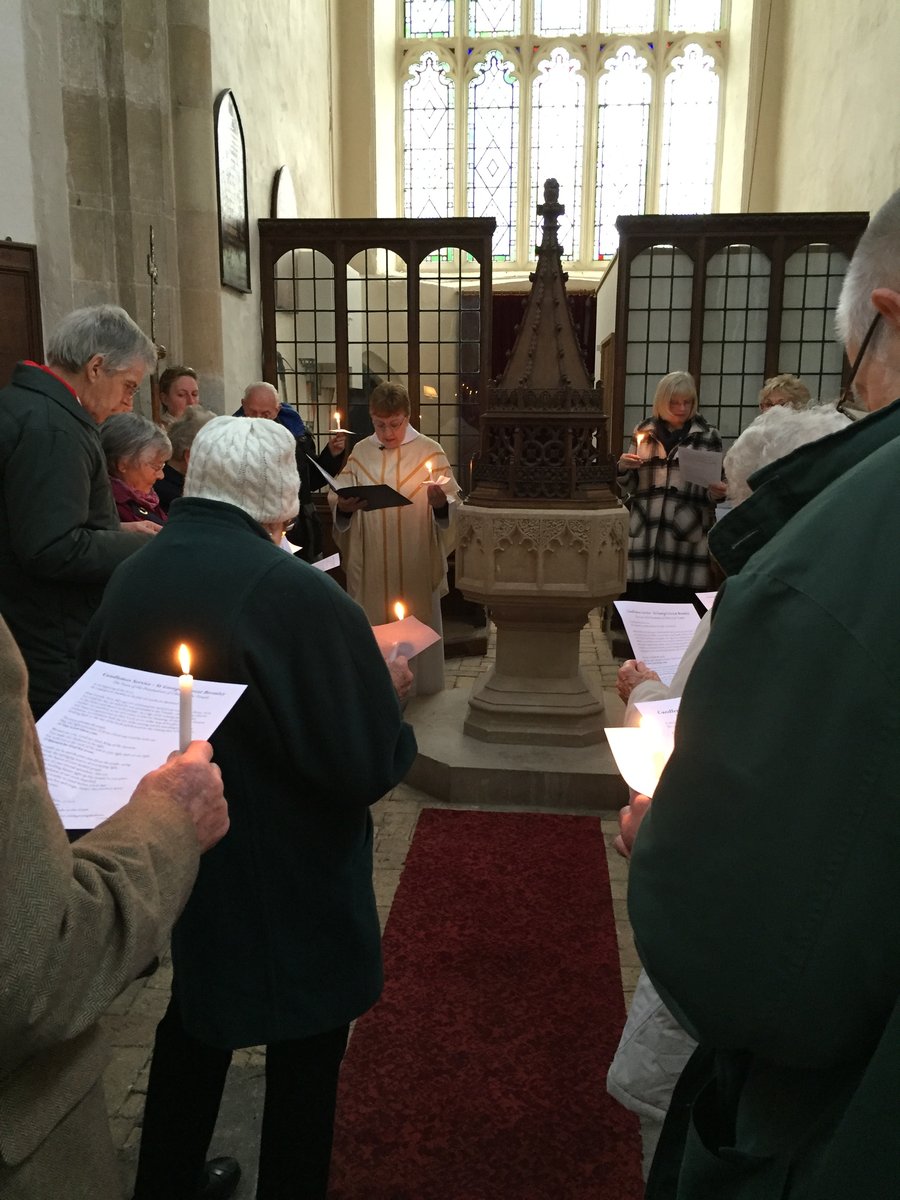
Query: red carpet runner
481, 1073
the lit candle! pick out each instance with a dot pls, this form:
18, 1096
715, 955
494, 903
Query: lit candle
337, 421
185, 696
399, 613
428, 469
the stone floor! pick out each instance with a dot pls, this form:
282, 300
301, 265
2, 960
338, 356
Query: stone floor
131, 1021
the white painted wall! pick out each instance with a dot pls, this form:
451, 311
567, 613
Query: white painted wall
17, 220
837, 145
276, 59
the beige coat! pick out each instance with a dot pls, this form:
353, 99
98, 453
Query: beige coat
77, 924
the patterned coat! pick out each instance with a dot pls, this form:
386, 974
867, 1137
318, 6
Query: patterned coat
77, 924
669, 518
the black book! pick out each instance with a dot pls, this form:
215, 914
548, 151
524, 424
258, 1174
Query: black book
376, 495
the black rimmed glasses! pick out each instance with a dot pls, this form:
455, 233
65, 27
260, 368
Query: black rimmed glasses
847, 393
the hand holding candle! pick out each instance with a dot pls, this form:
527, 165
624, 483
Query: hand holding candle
185, 696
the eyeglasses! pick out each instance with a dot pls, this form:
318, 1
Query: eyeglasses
847, 393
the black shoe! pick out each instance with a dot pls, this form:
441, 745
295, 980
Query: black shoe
220, 1178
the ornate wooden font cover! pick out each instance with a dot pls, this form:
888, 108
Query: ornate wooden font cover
543, 433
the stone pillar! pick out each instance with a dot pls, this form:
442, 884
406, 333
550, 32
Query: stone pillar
193, 153
540, 572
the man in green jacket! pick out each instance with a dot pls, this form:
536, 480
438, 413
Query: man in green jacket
60, 537
764, 891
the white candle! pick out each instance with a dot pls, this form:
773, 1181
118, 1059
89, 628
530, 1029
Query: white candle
185, 698
399, 613
337, 420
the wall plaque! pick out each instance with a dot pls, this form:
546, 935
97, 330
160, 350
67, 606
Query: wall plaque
231, 189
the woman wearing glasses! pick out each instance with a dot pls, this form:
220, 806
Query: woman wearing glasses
399, 553
136, 452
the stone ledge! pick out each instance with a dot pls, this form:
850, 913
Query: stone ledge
459, 769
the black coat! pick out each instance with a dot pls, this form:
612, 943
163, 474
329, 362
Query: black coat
60, 537
280, 938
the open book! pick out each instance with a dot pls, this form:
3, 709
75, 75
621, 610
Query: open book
376, 495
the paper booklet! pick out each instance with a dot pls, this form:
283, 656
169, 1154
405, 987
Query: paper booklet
641, 753
111, 727
408, 637
376, 495
659, 633
702, 467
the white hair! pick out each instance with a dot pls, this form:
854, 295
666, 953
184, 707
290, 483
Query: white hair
875, 263
262, 386
773, 435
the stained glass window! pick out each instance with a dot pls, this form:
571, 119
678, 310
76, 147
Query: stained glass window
690, 125
557, 142
494, 17
495, 98
694, 15
622, 132
627, 16
494, 148
428, 18
428, 123
556, 18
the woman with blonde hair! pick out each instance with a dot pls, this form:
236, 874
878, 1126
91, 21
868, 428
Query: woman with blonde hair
784, 390
668, 558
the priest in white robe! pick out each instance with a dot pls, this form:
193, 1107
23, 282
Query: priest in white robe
399, 553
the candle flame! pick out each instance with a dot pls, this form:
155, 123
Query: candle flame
399, 610
184, 659
428, 466
337, 419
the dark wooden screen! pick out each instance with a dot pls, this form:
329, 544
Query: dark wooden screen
20, 308
348, 302
733, 299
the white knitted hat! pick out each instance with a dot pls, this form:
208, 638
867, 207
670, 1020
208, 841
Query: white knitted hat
248, 462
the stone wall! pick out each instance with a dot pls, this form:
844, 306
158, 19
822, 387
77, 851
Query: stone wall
108, 129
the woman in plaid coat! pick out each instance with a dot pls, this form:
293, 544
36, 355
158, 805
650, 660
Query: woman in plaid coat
667, 552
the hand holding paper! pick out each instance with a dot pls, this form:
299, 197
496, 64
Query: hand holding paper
112, 727
408, 638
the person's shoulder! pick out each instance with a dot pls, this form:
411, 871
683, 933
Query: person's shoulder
422, 442
291, 420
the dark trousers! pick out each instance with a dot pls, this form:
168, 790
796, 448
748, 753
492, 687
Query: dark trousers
183, 1096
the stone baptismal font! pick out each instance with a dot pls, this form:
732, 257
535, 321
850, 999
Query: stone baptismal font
542, 538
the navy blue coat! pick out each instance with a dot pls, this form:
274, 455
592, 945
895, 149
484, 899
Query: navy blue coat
280, 938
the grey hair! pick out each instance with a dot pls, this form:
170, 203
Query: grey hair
183, 431
103, 329
263, 386
773, 435
875, 263
128, 436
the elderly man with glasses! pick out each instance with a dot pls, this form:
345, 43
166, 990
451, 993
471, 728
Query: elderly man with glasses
60, 537
763, 891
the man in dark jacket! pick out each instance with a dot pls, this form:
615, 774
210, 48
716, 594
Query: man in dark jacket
60, 537
764, 884
279, 943
262, 400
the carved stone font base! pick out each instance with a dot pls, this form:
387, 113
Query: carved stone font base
540, 572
